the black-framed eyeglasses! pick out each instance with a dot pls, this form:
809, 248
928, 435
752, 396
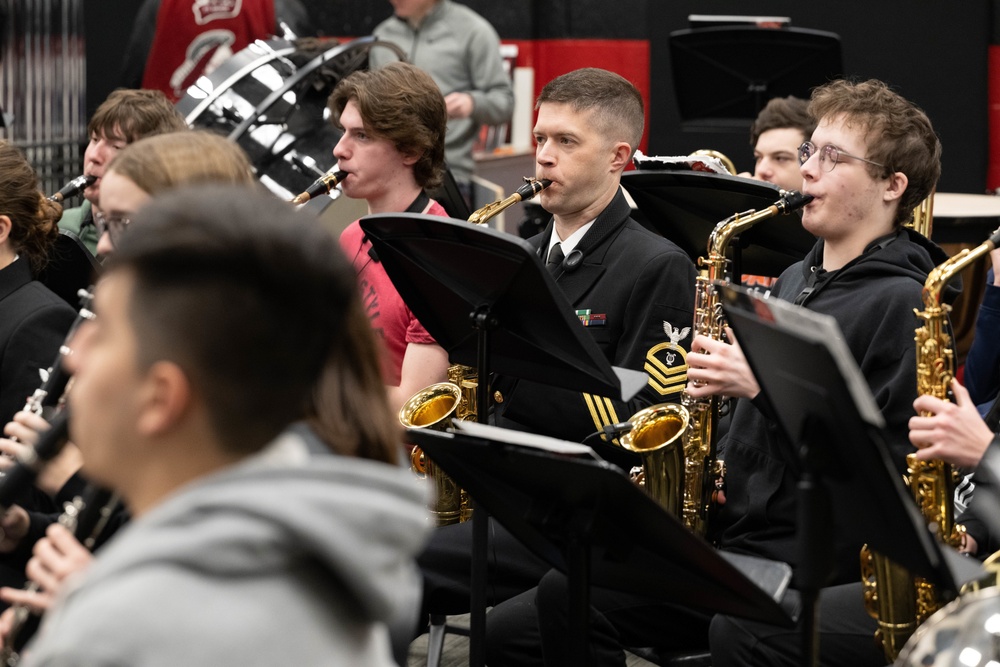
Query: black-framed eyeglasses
114, 224
829, 156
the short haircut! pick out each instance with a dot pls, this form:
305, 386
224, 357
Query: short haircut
162, 162
33, 218
133, 114
899, 134
402, 104
782, 113
617, 104
245, 295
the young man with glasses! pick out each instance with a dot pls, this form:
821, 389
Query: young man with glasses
872, 158
878, 157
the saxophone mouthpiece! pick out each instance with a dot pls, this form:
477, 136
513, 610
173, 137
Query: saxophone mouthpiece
995, 238
321, 186
532, 187
793, 200
73, 188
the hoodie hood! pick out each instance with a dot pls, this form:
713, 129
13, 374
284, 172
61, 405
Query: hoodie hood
884, 258
360, 521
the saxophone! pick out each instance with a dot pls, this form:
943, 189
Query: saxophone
676, 443
439, 405
898, 600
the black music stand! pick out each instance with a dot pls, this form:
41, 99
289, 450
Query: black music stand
825, 408
586, 518
488, 300
685, 206
724, 76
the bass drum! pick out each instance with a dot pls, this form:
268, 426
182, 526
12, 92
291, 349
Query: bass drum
963, 633
270, 98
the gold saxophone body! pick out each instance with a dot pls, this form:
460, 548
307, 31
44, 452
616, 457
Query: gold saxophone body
676, 442
439, 405
898, 600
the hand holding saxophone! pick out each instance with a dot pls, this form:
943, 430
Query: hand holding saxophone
717, 368
952, 432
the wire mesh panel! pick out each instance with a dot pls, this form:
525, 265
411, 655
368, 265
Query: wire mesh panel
43, 80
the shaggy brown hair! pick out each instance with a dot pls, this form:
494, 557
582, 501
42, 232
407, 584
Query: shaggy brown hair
898, 133
402, 104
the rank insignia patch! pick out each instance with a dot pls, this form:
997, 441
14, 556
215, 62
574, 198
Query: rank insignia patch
666, 362
592, 319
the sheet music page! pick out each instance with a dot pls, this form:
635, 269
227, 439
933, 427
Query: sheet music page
824, 330
523, 439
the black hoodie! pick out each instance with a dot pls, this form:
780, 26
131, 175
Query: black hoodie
872, 298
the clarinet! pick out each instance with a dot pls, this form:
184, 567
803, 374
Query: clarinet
73, 188
86, 516
321, 186
55, 377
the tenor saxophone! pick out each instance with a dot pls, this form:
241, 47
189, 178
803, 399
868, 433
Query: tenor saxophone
679, 440
439, 405
898, 600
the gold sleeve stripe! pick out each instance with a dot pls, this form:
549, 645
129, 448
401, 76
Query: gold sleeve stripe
602, 410
589, 400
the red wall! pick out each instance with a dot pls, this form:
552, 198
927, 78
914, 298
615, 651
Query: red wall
553, 57
993, 118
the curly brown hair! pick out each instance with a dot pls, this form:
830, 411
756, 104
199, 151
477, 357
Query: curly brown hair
34, 219
400, 103
132, 114
898, 133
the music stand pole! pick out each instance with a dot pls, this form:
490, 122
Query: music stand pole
483, 320
814, 519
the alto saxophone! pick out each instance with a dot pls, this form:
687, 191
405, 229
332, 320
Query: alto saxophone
440, 405
898, 600
677, 443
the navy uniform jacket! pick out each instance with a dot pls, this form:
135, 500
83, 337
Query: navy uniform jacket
33, 324
634, 292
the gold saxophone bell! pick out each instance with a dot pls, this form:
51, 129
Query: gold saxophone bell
657, 436
436, 407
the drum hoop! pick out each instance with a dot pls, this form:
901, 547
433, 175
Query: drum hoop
293, 80
225, 85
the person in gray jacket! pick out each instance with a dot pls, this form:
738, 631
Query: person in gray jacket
461, 52
215, 317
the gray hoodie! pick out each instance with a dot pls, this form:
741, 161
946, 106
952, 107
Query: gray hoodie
285, 559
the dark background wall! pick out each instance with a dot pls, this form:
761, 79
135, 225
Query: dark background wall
933, 53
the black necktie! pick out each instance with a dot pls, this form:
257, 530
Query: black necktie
555, 258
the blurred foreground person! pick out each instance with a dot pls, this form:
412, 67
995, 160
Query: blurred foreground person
215, 317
